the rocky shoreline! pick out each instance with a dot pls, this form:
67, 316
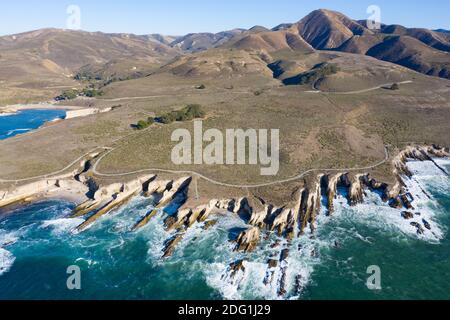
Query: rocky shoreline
262, 218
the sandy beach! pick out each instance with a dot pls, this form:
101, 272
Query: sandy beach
12, 109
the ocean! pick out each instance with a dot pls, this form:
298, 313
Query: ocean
38, 246
25, 121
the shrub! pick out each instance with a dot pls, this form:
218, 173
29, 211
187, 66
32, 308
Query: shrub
144, 124
167, 118
67, 95
141, 125
318, 72
195, 111
92, 93
188, 113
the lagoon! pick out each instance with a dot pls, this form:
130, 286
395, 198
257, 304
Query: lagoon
25, 121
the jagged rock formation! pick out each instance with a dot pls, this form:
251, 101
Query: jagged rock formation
187, 217
171, 244
119, 198
407, 215
248, 240
169, 191
356, 190
236, 267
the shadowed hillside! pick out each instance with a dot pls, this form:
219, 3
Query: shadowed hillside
411, 53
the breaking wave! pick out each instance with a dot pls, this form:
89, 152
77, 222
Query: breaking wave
6, 258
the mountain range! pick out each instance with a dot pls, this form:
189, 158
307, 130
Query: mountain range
55, 57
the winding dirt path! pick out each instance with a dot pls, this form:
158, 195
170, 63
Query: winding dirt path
358, 91
53, 174
201, 176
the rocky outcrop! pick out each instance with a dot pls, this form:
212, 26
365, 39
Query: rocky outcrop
284, 266
169, 192
426, 224
357, 193
259, 216
420, 153
243, 209
187, 217
124, 194
281, 220
420, 229
171, 244
248, 240
310, 207
236, 267
332, 183
407, 215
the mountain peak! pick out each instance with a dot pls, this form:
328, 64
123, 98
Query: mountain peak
326, 29
258, 28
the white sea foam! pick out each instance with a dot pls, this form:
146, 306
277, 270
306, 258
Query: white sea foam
62, 226
6, 261
7, 114
11, 132
377, 214
8, 238
89, 262
7, 258
250, 284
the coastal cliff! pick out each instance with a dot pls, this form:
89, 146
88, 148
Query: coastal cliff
296, 218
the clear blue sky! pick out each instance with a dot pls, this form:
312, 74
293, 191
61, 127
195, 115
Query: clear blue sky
176, 17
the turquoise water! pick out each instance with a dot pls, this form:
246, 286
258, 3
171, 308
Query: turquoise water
117, 264
25, 121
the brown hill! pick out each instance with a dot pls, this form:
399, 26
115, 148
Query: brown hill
74, 49
325, 29
257, 29
40, 64
223, 63
413, 54
361, 44
195, 42
337, 71
433, 39
273, 41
